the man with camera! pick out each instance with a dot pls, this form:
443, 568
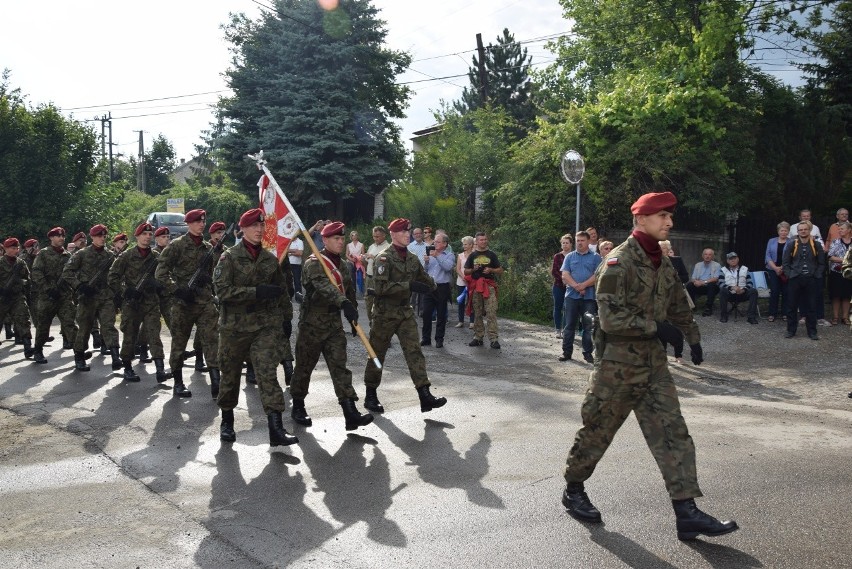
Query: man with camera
439, 265
480, 268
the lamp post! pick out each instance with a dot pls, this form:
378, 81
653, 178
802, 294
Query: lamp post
572, 168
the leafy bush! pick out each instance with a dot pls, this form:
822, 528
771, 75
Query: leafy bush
525, 292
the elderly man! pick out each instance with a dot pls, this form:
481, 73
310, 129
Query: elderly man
705, 280
736, 286
380, 243
439, 265
417, 247
834, 231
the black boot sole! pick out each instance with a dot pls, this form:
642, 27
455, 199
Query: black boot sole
362, 422
580, 517
690, 535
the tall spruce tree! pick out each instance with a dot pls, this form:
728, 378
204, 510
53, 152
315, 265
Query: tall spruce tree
315, 89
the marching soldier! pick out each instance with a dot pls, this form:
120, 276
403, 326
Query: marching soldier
86, 272
131, 278
217, 233
13, 277
31, 249
162, 238
119, 244
321, 330
396, 275
79, 241
186, 271
250, 287
53, 295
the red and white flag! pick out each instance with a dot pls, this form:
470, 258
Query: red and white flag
281, 223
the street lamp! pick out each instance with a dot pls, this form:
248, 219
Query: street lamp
573, 167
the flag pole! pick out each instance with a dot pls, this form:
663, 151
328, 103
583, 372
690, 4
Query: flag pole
261, 165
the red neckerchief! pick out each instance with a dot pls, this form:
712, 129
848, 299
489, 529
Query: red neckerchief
651, 246
59, 250
197, 239
143, 252
402, 251
253, 250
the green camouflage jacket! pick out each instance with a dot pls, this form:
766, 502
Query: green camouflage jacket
91, 267
128, 269
47, 271
392, 275
179, 261
18, 282
321, 293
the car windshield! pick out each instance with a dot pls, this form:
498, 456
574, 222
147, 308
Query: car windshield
171, 219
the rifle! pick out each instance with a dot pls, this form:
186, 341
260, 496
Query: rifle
204, 266
134, 297
5, 290
98, 275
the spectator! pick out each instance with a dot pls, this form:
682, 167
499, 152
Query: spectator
805, 215
295, 254
461, 284
775, 272
578, 273
439, 265
604, 247
354, 251
417, 248
558, 288
804, 264
839, 289
705, 280
481, 267
677, 262
316, 232
834, 231
71, 247
428, 236
593, 239
737, 286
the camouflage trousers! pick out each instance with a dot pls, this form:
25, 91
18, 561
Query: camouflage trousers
388, 321
205, 317
259, 348
165, 313
484, 308
141, 325
48, 309
90, 310
616, 389
322, 335
16, 308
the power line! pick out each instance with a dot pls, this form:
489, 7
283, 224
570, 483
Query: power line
145, 101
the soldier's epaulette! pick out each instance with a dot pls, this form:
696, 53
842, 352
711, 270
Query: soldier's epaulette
612, 261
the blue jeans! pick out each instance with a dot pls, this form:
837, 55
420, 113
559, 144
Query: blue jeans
776, 289
558, 306
574, 310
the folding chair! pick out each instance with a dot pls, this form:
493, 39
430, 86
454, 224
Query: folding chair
758, 279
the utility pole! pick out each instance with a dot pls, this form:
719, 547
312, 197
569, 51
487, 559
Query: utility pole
106, 123
483, 76
140, 165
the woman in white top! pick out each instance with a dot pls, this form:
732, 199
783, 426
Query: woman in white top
354, 250
461, 284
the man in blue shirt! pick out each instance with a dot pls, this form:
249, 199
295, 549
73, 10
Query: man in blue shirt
705, 280
439, 264
578, 274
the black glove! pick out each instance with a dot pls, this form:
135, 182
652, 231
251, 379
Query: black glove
185, 293
263, 291
203, 280
53, 293
371, 292
86, 289
417, 286
354, 331
132, 294
697, 354
288, 328
349, 311
668, 333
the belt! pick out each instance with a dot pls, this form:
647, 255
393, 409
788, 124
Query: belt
616, 338
389, 302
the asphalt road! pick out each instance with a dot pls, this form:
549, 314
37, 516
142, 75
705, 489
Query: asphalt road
95, 472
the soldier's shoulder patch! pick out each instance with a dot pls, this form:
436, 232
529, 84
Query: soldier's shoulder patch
381, 269
217, 272
612, 261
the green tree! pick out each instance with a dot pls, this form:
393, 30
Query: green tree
316, 91
159, 164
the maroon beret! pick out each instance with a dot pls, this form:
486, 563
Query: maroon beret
30, 243
649, 204
195, 215
399, 224
79, 235
99, 229
333, 228
120, 237
143, 227
216, 226
11, 242
56, 232
161, 231
251, 217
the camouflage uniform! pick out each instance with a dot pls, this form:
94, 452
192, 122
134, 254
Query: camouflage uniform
321, 329
287, 305
80, 270
125, 274
175, 268
392, 314
197, 347
13, 301
249, 328
165, 299
29, 259
631, 370
53, 296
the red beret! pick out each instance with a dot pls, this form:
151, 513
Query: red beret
399, 224
161, 231
120, 237
216, 226
251, 217
56, 232
99, 229
143, 227
333, 228
30, 243
649, 204
79, 235
11, 242
195, 215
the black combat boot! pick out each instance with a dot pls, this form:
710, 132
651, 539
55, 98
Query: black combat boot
354, 418
429, 401
97, 341
144, 358
250, 377
38, 355
80, 361
215, 378
66, 344
288, 371
278, 435
116, 359
226, 432
371, 401
104, 348
162, 374
28, 349
691, 522
299, 413
579, 506
129, 374
199, 361
180, 390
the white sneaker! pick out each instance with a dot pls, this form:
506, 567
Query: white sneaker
559, 333
460, 325
823, 322
471, 326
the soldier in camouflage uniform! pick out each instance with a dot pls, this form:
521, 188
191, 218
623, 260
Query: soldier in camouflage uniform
177, 265
641, 303
14, 275
397, 274
321, 330
250, 288
131, 278
53, 295
29, 254
86, 272
217, 234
